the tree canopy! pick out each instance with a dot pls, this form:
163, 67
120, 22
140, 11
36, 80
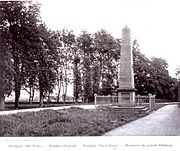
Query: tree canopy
33, 57
152, 76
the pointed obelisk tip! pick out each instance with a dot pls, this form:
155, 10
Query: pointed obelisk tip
126, 32
126, 28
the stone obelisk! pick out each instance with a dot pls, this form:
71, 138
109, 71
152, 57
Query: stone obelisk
126, 91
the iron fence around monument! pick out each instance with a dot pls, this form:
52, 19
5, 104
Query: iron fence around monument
114, 100
142, 99
105, 100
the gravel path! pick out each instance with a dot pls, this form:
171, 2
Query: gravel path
53, 108
163, 122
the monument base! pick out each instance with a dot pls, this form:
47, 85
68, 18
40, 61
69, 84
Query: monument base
126, 96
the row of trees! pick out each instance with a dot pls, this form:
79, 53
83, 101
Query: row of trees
32, 57
152, 76
25, 47
36, 58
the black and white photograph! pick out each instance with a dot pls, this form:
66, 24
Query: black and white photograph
89, 74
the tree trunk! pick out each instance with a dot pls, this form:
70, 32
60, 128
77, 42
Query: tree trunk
2, 101
59, 91
41, 97
33, 95
41, 91
17, 79
48, 99
17, 94
65, 93
30, 95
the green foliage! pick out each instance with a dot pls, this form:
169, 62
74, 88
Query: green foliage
95, 79
151, 76
31, 46
99, 54
6, 72
85, 47
17, 22
141, 70
66, 54
35, 57
163, 83
107, 87
107, 56
77, 79
47, 61
177, 72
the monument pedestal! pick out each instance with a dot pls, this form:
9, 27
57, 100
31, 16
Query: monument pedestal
126, 96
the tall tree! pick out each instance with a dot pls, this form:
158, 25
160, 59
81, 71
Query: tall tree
47, 61
151, 76
162, 81
95, 78
77, 85
31, 46
141, 70
85, 46
20, 17
6, 72
56, 39
107, 54
66, 56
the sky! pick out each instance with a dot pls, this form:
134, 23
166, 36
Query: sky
154, 23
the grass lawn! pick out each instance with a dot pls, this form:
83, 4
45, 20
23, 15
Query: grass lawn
66, 122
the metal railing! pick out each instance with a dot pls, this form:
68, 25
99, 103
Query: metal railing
114, 100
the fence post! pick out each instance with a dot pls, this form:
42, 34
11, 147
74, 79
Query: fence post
95, 101
138, 100
109, 98
151, 102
